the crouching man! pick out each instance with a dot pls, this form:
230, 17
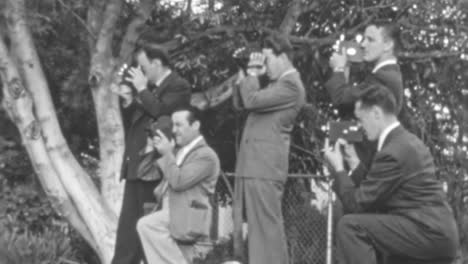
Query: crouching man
399, 210
191, 174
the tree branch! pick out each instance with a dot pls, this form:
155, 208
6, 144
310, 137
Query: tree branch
94, 20
290, 19
131, 35
80, 20
105, 37
215, 95
101, 58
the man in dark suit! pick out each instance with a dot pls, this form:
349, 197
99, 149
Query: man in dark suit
262, 161
191, 174
156, 91
379, 45
399, 209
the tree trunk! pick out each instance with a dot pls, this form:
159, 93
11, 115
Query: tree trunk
98, 217
19, 106
111, 143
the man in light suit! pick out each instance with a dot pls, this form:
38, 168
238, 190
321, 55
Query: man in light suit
262, 161
156, 92
380, 41
399, 209
191, 176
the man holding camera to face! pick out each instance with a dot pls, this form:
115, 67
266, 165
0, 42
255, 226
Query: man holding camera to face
149, 90
262, 160
190, 176
399, 209
378, 48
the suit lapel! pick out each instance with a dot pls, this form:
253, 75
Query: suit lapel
394, 134
164, 84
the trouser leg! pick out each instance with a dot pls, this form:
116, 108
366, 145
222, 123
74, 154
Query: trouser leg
158, 245
266, 236
361, 236
127, 247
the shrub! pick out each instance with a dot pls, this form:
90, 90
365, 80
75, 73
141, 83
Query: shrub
52, 246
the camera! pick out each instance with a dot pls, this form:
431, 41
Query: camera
347, 130
242, 56
123, 72
164, 124
353, 50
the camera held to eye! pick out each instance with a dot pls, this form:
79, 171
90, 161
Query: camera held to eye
124, 73
163, 124
353, 50
347, 130
242, 56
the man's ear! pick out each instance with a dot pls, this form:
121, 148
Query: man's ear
196, 124
377, 112
389, 44
156, 62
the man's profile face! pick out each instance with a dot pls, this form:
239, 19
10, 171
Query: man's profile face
368, 119
273, 64
149, 67
375, 44
183, 131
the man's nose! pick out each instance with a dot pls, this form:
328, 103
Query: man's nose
363, 43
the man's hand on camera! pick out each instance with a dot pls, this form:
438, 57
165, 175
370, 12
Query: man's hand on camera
349, 154
123, 91
256, 65
338, 61
333, 156
138, 78
162, 144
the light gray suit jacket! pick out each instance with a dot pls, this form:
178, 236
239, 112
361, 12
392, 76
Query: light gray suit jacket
190, 187
264, 148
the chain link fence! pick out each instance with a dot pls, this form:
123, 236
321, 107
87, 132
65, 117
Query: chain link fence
305, 215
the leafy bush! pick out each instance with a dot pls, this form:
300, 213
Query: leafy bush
50, 246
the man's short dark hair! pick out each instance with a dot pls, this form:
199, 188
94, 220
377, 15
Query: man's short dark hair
278, 43
153, 51
375, 94
194, 114
390, 30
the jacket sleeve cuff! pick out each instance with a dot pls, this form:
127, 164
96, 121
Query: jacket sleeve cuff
342, 182
358, 174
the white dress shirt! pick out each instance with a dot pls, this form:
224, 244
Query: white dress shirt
385, 133
180, 155
384, 63
160, 80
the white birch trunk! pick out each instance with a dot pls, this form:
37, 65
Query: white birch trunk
99, 219
19, 107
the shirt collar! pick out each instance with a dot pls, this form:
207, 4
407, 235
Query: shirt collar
384, 63
160, 80
385, 133
182, 153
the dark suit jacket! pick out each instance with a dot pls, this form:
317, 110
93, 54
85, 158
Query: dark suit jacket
190, 188
340, 91
341, 96
402, 181
147, 106
264, 148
